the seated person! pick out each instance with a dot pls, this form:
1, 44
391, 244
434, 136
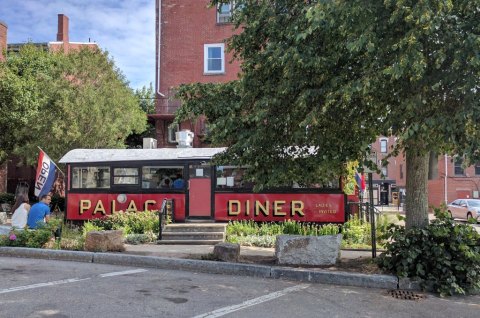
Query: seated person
39, 212
166, 183
179, 183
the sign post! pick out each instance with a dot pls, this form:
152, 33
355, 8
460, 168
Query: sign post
371, 212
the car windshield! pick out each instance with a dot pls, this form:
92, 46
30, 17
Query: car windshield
475, 203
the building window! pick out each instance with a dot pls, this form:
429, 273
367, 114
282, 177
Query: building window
172, 129
214, 58
154, 177
384, 172
91, 177
224, 12
383, 145
126, 176
458, 168
477, 169
401, 172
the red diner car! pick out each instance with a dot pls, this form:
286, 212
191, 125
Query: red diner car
106, 181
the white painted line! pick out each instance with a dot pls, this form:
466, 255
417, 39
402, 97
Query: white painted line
252, 302
133, 271
58, 282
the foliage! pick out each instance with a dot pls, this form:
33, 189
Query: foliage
444, 256
131, 222
146, 101
384, 67
31, 238
135, 239
58, 202
250, 233
90, 227
7, 198
82, 98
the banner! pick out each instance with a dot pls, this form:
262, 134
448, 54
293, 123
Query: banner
45, 174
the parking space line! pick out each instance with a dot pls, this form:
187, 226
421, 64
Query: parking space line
67, 281
252, 302
133, 271
58, 282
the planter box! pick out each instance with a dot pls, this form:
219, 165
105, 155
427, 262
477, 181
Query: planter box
308, 250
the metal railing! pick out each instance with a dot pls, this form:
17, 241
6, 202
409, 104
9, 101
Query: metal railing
365, 213
167, 211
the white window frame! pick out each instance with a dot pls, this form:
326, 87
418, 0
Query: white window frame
205, 58
382, 150
225, 17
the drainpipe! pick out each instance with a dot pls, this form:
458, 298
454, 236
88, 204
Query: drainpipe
159, 41
446, 182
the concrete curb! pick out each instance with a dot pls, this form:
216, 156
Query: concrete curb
213, 267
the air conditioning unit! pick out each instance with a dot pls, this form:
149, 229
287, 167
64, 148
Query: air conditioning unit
184, 138
149, 143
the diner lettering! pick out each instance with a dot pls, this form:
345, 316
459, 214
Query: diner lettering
276, 208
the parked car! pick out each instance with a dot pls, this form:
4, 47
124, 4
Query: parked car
465, 209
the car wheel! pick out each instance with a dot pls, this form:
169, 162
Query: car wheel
469, 215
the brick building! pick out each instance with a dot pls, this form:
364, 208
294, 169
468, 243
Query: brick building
12, 173
189, 47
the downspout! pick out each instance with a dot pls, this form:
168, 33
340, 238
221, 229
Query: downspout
159, 41
446, 182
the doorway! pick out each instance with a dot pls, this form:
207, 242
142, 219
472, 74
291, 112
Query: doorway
200, 191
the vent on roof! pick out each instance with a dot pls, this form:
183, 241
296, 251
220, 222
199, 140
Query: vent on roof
184, 138
149, 143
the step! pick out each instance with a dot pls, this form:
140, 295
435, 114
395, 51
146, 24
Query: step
188, 242
201, 227
193, 235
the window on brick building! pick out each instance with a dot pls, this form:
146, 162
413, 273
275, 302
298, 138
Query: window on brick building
224, 12
477, 169
401, 172
214, 58
383, 145
385, 171
458, 166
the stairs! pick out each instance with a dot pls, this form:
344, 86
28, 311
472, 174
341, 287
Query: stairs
193, 233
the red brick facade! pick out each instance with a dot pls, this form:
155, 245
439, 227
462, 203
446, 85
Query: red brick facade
3, 39
183, 28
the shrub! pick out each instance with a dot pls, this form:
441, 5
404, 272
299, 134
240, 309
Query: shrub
444, 256
130, 222
31, 238
7, 198
135, 239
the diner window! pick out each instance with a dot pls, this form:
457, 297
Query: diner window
125, 176
224, 12
232, 177
155, 177
91, 177
383, 145
214, 58
458, 167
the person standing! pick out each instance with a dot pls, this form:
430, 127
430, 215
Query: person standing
20, 214
40, 212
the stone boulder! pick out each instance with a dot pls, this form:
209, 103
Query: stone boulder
3, 217
226, 252
307, 250
105, 241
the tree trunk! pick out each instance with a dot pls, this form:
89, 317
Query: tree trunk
416, 203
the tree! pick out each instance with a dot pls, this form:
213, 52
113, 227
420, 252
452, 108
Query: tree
63, 101
321, 79
146, 101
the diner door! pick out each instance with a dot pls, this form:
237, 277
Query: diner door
200, 191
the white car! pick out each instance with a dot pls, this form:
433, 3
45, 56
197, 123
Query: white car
465, 209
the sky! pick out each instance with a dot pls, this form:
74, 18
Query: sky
124, 28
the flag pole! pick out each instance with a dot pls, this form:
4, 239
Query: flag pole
52, 161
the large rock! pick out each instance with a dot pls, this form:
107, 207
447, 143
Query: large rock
104, 241
3, 217
307, 250
227, 252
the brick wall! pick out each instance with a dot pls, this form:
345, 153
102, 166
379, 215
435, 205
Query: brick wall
186, 25
3, 38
